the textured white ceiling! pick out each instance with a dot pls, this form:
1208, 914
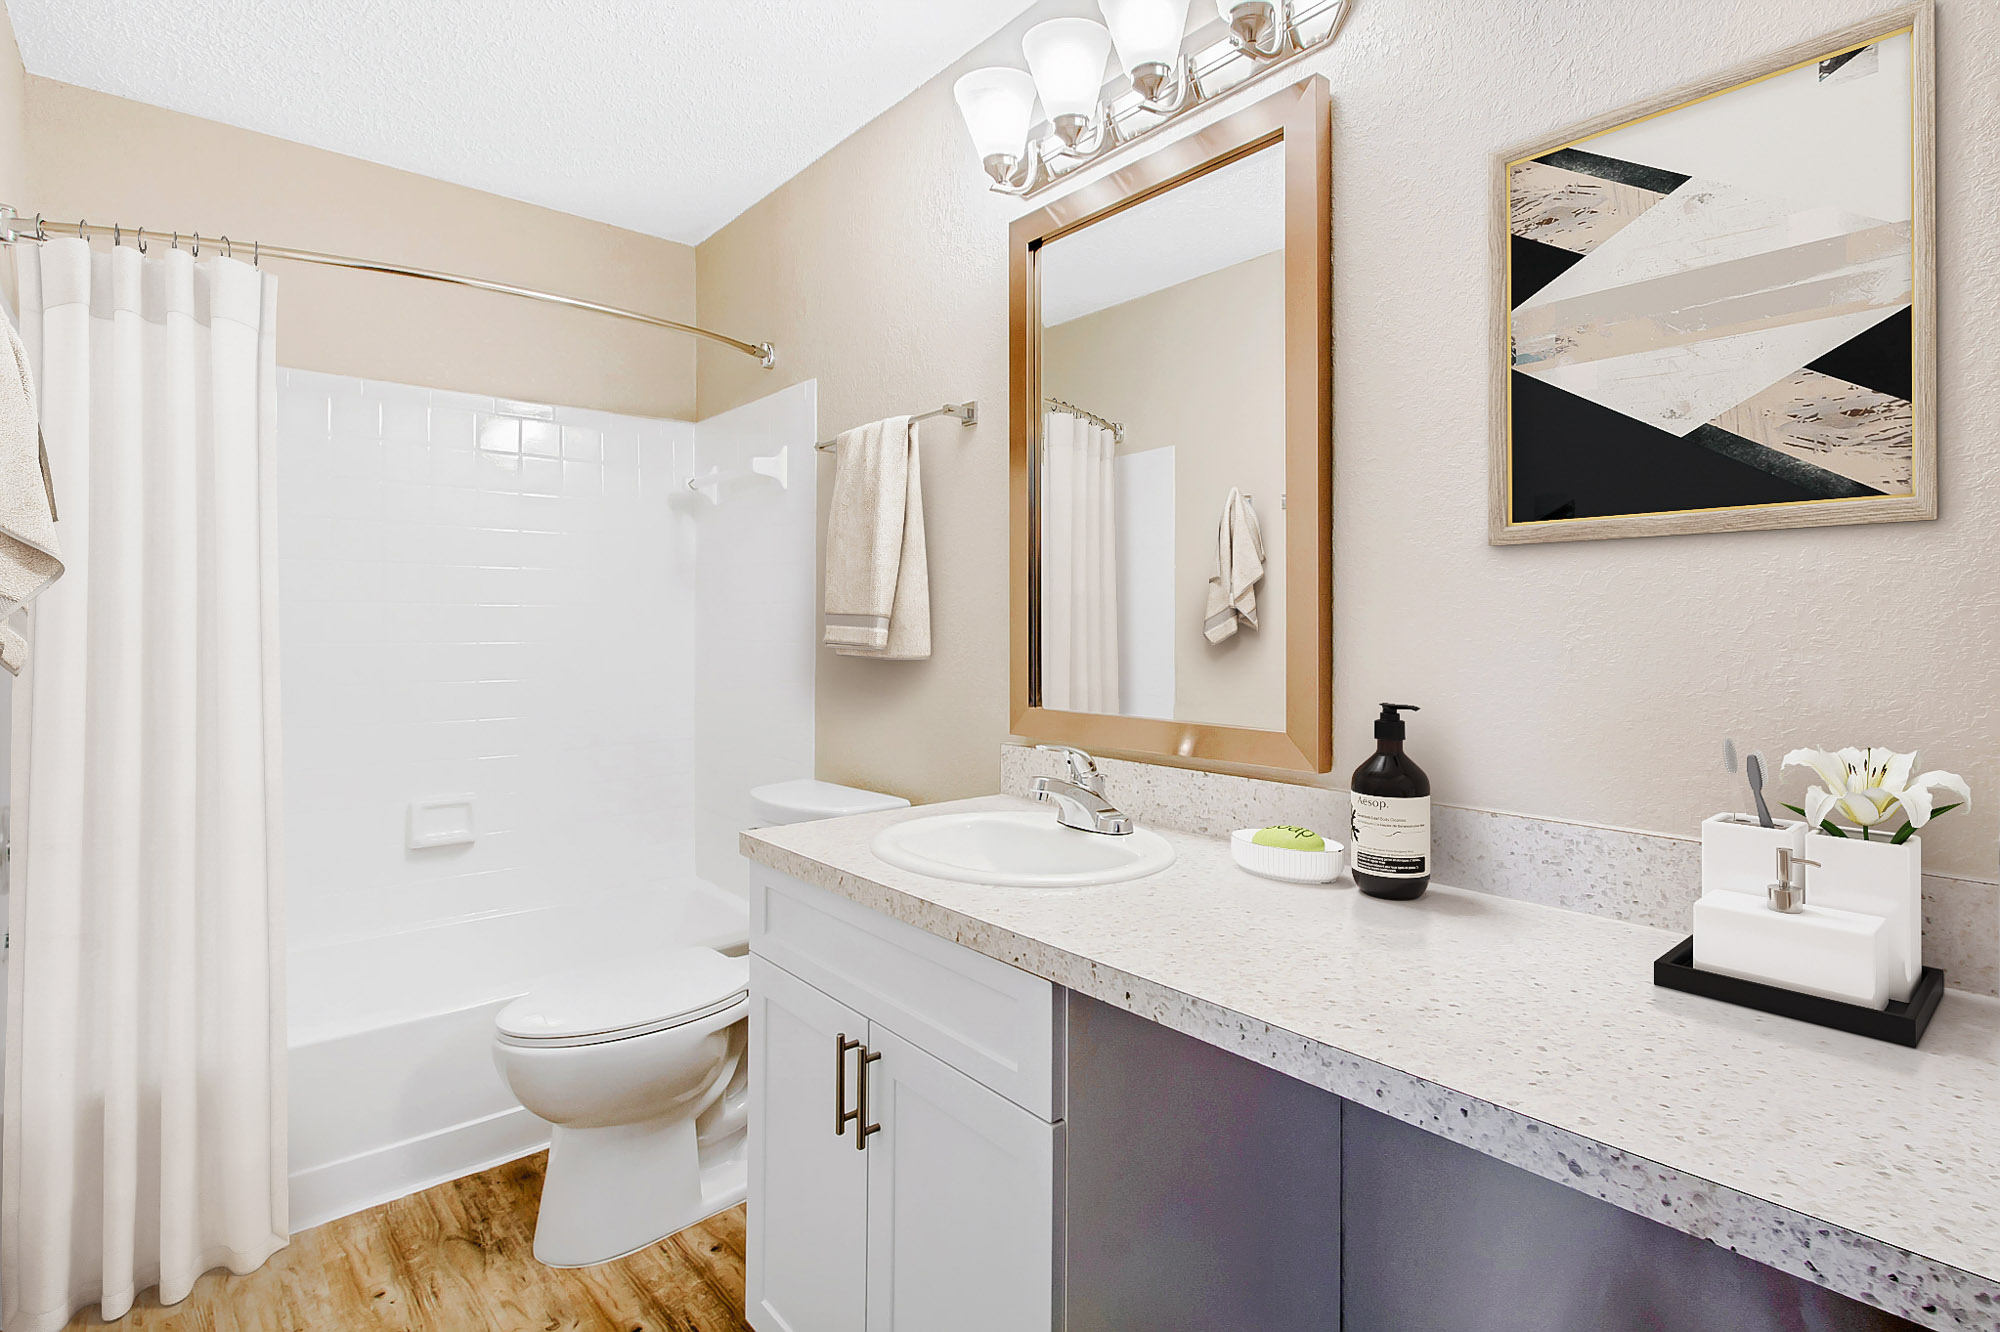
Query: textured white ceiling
1228, 216
668, 117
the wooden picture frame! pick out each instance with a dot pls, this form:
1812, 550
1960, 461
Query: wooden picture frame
1633, 339
1300, 118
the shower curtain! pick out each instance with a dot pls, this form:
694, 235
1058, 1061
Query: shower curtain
1079, 566
144, 1132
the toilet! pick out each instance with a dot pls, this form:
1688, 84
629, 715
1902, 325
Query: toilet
802, 800
641, 1065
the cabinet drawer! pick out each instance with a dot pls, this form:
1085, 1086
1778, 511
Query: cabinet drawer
996, 1024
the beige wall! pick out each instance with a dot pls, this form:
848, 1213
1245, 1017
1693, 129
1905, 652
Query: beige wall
1591, 681
1199, 367
13, 135
107, 159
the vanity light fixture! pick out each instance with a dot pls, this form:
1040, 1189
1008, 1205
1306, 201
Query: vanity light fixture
1260, 29
998, 105
1167, 72
1148, 36
1066, 56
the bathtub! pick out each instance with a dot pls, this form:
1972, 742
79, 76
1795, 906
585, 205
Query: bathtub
392, 1081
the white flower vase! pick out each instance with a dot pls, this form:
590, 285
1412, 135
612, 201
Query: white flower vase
1879, 879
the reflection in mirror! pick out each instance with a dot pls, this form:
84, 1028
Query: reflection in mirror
1161, 505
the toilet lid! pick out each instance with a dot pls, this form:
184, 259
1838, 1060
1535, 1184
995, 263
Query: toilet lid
803, 799
653, 992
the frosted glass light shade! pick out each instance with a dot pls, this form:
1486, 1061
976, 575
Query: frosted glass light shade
1146, 32
998, 105
1067, 58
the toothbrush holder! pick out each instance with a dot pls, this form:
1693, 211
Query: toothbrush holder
1740, 855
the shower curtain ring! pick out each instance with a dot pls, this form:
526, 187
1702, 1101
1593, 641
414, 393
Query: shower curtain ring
117, 235
256, 254
40, 234
228, 250
197, 245
83, 230
142, 240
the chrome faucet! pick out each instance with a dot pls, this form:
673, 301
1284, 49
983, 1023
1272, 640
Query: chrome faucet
1080, 802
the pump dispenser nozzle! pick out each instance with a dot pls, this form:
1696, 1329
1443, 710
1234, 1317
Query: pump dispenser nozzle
1787, 894
1389, 726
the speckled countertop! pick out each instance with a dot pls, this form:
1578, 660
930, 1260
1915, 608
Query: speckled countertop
1532, 1034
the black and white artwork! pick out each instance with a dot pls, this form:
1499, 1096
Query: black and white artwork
1710, 306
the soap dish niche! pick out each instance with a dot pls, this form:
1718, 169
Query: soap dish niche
439, 822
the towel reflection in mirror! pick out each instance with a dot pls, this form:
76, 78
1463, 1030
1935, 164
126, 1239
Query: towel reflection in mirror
1239, 567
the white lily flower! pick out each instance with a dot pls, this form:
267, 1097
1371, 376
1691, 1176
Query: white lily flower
1867, 787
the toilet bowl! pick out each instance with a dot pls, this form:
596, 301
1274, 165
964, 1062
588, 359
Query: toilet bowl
641, 1067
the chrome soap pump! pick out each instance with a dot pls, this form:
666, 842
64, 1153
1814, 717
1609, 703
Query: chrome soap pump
1786, 895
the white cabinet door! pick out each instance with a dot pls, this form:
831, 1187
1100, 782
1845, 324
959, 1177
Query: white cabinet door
808, 1231
962, 1201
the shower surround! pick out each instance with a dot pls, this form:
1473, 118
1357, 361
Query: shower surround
523, 605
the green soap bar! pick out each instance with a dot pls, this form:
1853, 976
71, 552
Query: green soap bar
1290, 838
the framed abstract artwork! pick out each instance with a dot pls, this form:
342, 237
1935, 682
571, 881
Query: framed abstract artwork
1715, 311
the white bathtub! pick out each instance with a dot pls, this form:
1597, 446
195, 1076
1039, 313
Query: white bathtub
393, 1086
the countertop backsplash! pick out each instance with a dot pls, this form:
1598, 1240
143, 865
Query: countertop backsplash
1645, 878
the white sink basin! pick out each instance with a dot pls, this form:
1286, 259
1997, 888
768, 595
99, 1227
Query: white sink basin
1019, 849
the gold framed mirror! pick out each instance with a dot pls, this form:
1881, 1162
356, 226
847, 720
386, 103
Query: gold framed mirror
1172, 448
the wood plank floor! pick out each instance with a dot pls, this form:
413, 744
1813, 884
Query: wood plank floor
459, 1258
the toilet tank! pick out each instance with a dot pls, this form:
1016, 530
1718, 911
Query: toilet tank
803, 799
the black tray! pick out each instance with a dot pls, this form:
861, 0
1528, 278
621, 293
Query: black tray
1899, 1024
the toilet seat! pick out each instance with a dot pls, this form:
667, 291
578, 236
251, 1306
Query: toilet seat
614, 1002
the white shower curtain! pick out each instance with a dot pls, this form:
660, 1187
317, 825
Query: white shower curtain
1079, 566
144, 1136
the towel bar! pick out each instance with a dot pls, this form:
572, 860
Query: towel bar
966, 412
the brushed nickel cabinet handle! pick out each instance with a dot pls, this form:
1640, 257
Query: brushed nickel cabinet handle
863, 1127
841, 1114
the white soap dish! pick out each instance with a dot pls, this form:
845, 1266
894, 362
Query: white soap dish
1278, 862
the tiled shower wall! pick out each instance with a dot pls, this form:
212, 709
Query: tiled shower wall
758, 614
493, 599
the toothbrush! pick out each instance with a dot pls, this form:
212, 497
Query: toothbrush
1754, 765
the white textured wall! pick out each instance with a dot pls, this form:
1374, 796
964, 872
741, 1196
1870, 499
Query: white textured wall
1591, 681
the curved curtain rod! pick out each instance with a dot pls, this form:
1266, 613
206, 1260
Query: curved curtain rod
1117, 430
12, 231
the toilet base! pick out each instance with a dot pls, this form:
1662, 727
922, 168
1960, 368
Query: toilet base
612, 1191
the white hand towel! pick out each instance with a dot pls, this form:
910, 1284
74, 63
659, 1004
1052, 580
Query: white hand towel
29, 559
1239, 565
878, 589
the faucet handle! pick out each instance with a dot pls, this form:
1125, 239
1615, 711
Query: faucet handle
1082, 767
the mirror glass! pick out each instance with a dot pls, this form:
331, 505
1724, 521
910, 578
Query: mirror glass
1160, 492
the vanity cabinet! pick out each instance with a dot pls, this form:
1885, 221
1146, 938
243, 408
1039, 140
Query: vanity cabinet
947, 1212
808, 1248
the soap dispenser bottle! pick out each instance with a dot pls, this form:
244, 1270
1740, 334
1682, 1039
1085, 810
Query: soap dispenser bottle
1391, 801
